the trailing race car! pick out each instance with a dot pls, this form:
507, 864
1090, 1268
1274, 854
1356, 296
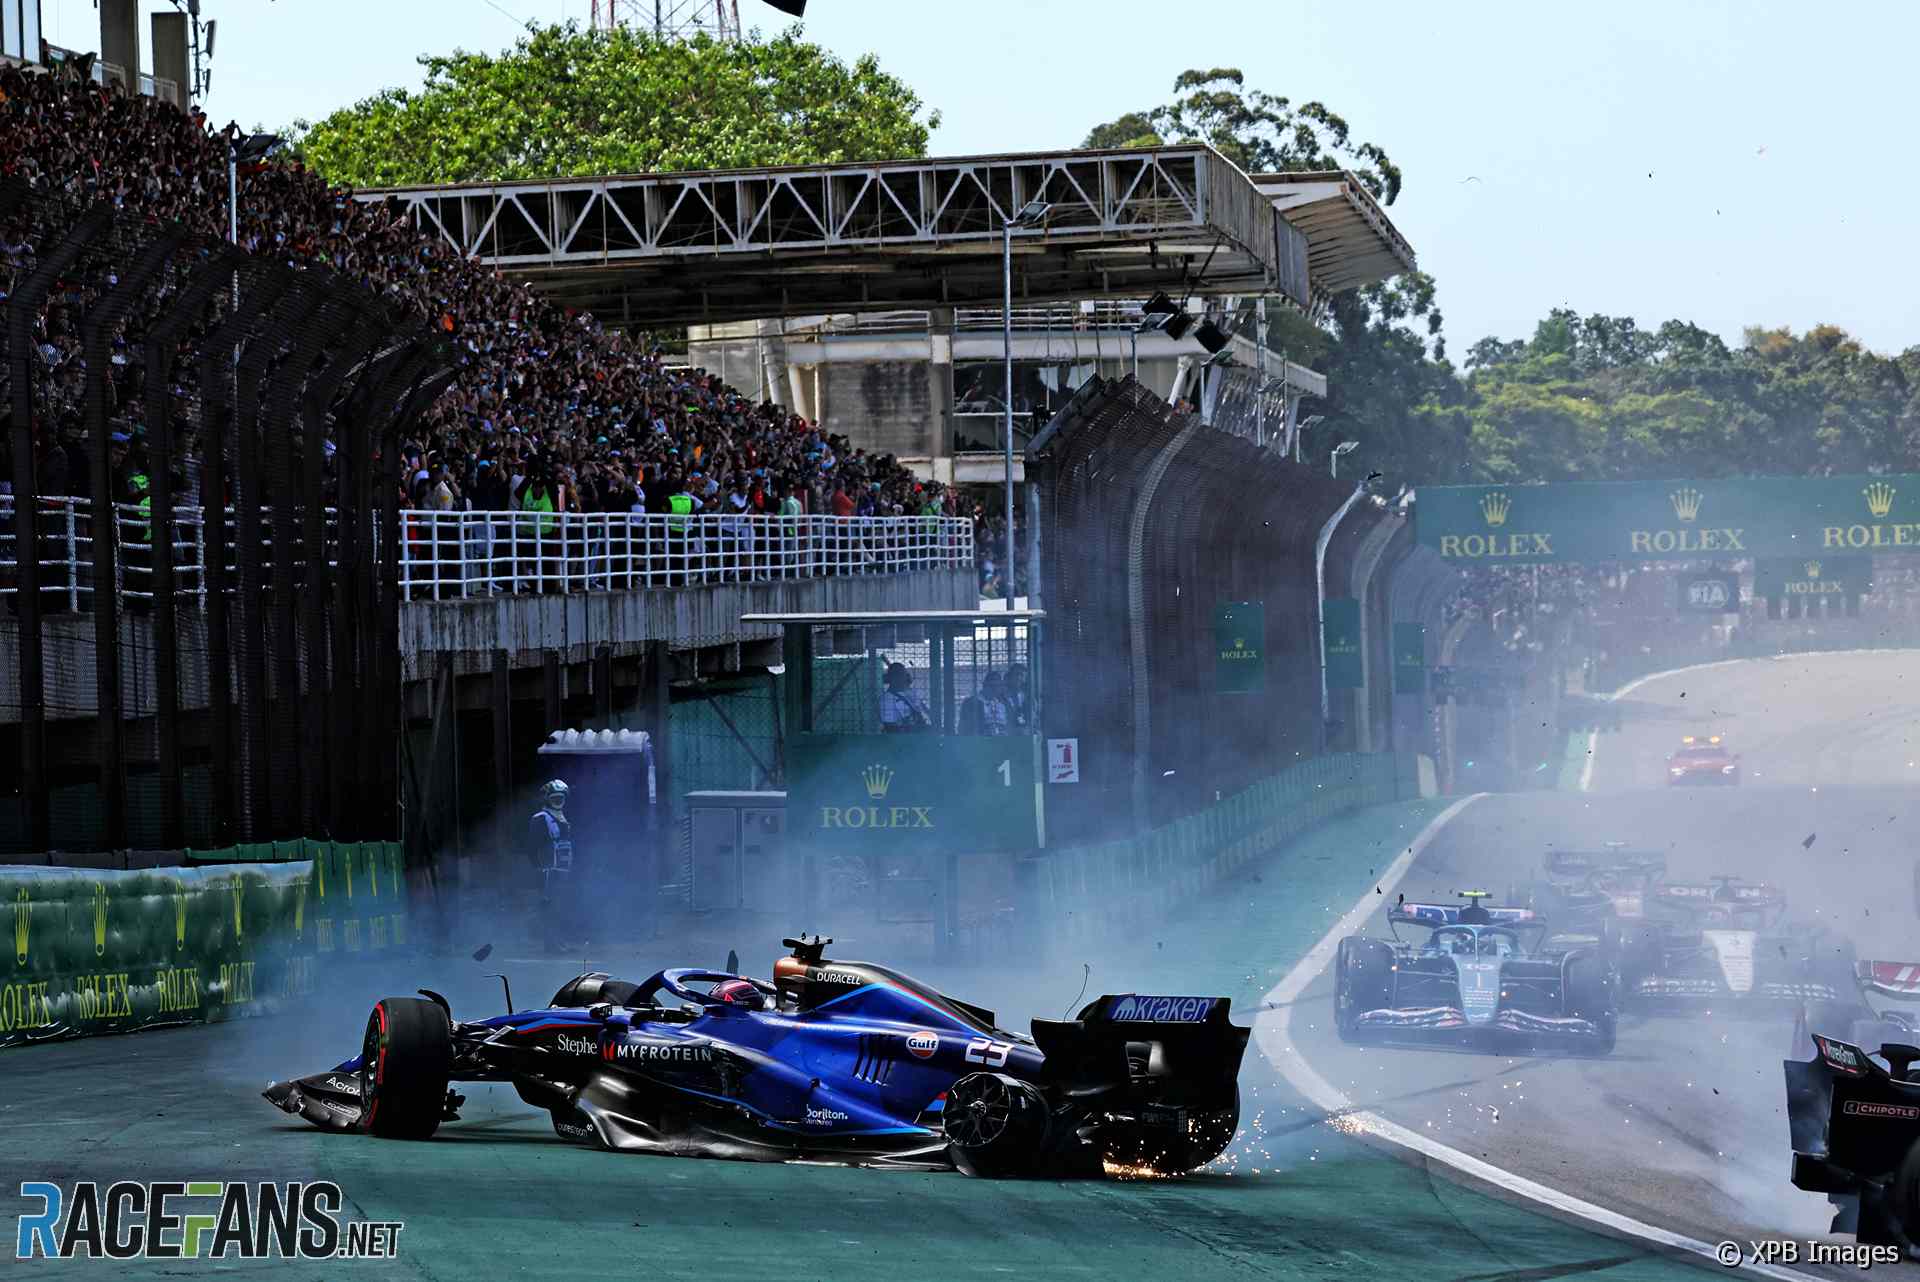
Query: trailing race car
834, 1060
1724, 944
1705, 761
1861, 1021
1602, 895
1486, 978
1856, 1137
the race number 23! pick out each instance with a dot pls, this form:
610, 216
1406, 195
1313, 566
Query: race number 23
983, 1050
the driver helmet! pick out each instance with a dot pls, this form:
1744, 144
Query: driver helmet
553, 794
740, 992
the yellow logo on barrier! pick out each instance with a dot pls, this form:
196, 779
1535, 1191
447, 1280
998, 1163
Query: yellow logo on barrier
1495, 508
1879, 497
1686, 503
180, 916
99, 919
22, 923
299, 907
349, 862
373, 874
239, 890
1813, 569
878, 779
320, 872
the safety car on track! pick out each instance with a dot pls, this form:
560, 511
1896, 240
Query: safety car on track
1485, 978
1703, 761
834, 1060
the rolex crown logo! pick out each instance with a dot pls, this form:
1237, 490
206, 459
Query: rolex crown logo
1686, 503
878, 779
1239, 643
99, 919
1495, 508
1813, 569
22, 924
1879, 497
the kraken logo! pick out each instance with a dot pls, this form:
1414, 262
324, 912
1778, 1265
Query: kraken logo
179, 917
1495, 508
1686, 503
1813, 569
878, 779
22, 924
1879, 497
99, 919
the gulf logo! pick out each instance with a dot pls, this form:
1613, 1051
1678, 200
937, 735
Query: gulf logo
923, 1044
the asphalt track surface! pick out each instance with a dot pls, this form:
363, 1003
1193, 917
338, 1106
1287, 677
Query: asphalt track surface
495, 1195
1683, 1126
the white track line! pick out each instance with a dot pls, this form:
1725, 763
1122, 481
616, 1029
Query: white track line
1271, 1031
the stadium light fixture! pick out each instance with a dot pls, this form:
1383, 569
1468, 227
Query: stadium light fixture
1032, 214
1160, 305
1344, 447
1301, 431
1211, 337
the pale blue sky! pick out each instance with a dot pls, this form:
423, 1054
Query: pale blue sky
1704, 159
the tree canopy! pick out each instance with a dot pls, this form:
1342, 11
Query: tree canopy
565, 102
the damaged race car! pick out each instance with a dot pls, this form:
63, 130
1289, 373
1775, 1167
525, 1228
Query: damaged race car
1725, 944
1484, 978
832, 1061
1855, 1128
1863, 1021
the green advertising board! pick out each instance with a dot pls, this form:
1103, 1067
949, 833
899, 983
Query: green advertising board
1239, 647
914, 794
107, 951
1409, 658
1796, 517
1340, 637
1813, 577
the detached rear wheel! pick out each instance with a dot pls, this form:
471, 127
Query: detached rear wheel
996, 1125
406, 1059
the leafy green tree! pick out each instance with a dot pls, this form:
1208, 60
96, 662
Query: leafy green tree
566, 101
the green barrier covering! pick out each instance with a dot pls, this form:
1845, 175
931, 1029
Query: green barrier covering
1132, 879
96, 951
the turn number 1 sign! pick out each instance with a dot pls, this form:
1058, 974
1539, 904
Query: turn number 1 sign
1063, 761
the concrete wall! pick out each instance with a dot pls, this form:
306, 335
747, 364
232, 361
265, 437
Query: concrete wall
573, 625
883, 406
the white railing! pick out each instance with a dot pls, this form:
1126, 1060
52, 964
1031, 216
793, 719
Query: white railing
453, 555
467, 554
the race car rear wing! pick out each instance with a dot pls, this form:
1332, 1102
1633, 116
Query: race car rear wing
1449, 915
1185, 1038
1577, 863
1898, 980
1718, 894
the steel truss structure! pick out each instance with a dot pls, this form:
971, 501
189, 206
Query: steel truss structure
744, 244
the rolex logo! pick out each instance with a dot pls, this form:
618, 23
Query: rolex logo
1495, 508
22, 923
180, 918
1879, 497
1686, 503
99, 919
878, 779
1813, 569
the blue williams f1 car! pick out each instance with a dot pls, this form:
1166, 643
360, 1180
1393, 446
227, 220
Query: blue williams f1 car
1485, 978
836, 1061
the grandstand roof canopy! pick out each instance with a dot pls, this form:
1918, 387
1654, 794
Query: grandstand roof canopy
1350, 240
744, 244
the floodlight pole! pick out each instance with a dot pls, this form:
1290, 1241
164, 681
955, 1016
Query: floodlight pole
1320, 600
1006, 326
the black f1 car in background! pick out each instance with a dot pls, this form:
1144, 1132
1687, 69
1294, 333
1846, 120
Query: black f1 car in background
1725, 944
837, 1061
1582, 889
1856, 1137
1484, 978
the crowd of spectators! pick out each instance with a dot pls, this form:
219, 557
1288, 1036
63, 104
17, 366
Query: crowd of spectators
545, 396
